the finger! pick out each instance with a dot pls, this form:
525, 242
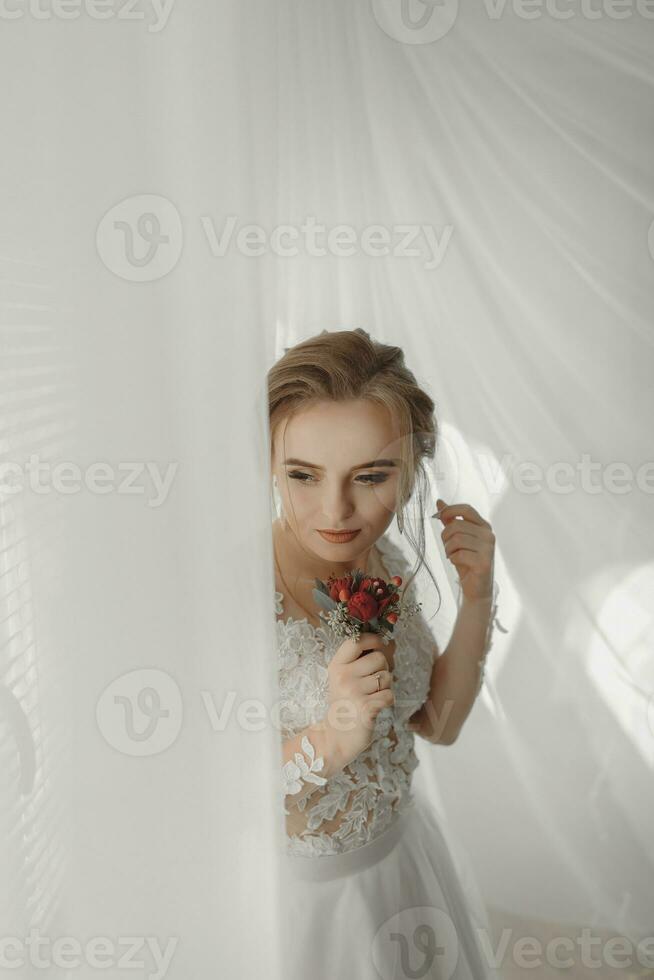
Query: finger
351, 649
462, 559
455, 526
471, 559
370, 663
368, 638
385, 699
460, 540
377, 702
451, 511
371, 686
368, 643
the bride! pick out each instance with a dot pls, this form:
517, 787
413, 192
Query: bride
371, 887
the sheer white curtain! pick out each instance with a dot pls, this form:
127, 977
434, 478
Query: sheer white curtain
139, 775
163, 180
523, 147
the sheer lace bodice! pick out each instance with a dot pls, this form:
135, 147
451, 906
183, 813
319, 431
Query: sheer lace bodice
361, 801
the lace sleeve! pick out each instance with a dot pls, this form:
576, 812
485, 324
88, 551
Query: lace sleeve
297, 771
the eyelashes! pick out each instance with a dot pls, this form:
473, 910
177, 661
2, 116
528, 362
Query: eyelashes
367, 479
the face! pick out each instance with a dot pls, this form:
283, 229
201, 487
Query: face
318, 459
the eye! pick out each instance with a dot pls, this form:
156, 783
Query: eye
302, 477
368, 479
372, 478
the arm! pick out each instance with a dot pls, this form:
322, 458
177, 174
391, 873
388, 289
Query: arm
310, 758
457, 674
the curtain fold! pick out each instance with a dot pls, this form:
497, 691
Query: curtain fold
141, 799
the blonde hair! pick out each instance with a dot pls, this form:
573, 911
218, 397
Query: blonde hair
348, 364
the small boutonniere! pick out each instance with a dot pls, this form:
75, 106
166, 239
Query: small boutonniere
357, 603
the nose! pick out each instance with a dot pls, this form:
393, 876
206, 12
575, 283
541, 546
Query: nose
336, 507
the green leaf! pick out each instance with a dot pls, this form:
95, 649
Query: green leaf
324, 600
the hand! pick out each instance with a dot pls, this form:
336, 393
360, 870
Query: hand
354, 701
470, 546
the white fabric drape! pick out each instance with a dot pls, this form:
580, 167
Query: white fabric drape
512, 158
135, 619
528, 143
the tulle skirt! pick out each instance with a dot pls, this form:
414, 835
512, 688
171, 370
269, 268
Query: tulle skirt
398, 907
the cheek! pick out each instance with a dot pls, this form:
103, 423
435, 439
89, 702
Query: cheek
389, 496
381, 500
298, 500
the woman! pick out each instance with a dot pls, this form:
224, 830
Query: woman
372, 890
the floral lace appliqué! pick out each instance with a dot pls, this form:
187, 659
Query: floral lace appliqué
297, 770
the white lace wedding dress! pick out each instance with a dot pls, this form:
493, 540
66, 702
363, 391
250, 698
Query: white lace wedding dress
371, 887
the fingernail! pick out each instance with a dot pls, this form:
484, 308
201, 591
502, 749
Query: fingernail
440, 503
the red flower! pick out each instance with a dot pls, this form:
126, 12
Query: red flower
336, 585
362, 606
392, 617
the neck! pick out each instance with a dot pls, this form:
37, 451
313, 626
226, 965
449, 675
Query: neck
300, 567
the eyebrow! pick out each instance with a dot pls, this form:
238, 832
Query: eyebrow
364, 466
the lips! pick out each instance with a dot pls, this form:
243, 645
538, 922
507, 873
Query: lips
342, 537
